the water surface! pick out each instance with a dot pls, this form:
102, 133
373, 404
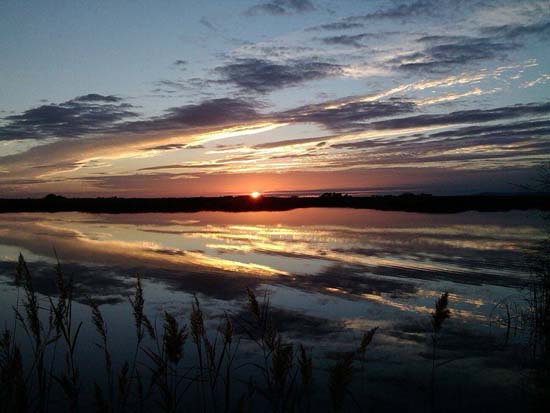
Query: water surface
331, 274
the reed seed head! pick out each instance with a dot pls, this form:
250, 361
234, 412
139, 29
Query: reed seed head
366, 340
253, 304
137, 308
441, 312
174, 338
197, 322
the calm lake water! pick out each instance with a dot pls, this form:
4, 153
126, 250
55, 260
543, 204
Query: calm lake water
331, 274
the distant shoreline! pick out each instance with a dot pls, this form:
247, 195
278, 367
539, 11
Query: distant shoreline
406, 202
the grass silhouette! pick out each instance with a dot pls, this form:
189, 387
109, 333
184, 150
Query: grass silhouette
178, 365
282, 379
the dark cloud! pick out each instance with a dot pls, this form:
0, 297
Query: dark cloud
401, 11
58, 165
343, 25
345, 39
83, 115
442, 39
95, 98
170, 86
168, 147
209, 113
292, 156
262, 76
287, 142
161, 167
444, 57
173, 146
473, 159
180, 63
355, 39
282, 51
438, 153
536, 127
349, 116
517, 139
79, 118
175, 86
207, 23
212, 112
512, 31
281, 7
466, 116
183, 166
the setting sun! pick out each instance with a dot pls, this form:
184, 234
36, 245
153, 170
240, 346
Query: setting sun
255, 195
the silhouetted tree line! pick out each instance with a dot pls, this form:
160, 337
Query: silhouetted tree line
404, 202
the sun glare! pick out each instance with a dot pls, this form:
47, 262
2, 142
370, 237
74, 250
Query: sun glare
255, 195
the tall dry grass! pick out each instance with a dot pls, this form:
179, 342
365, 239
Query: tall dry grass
176, 364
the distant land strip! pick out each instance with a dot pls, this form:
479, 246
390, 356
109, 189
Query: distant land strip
407, 202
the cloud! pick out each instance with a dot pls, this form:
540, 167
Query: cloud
163, 167
195, 84
466, 116
94, 97
262, 76
281, 7
401, 11
516, 129
170, 86
83, 115
522, 132
290, 142
539, 80
208, 113
442, 38
454, 96
342, 25
212, 119
179, 125
346, 40
180, 63
349, 116
444, 57
406, 11
173, 146
512, 31
207, 23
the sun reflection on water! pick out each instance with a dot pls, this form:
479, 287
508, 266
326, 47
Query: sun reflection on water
389, 263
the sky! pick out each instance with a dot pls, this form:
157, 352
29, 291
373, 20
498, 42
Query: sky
179, 98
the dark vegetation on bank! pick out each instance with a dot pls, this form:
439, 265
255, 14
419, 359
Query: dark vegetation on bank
405, 202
